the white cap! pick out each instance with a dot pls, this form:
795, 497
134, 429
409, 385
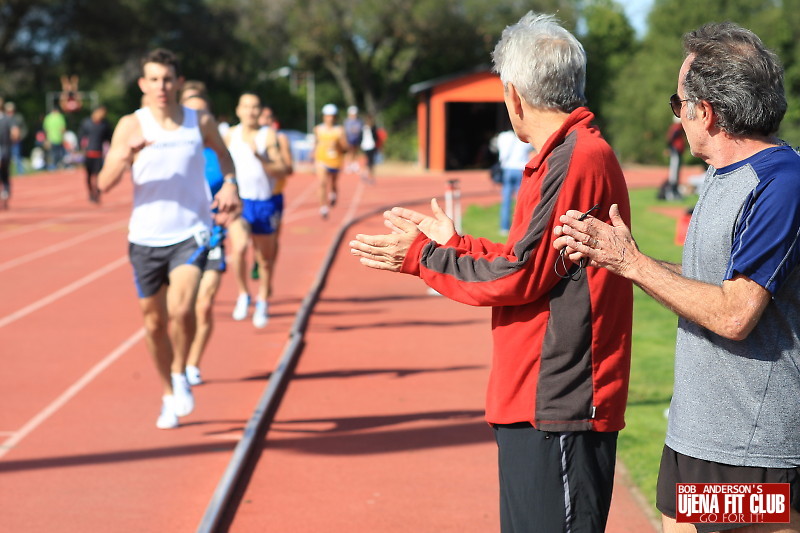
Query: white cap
352, 110
329, 109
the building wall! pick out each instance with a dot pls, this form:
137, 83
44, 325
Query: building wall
432, 118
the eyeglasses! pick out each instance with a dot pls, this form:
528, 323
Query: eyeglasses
675, 103
561, 268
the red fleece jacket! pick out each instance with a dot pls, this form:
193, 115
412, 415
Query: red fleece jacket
561, 355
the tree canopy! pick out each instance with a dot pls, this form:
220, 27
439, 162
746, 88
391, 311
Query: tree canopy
367, 52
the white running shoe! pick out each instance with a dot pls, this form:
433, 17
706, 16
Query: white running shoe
167, 419
242, 304
193, 375
182, 392
323, 212
332, 196
261, 315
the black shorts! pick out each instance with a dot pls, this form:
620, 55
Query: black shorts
152, 264
93, 165
679, 468
549, 481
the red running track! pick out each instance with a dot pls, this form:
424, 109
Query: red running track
380, 430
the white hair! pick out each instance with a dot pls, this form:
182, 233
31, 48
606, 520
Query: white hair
545, 63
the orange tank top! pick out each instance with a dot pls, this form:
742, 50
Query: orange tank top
328, 150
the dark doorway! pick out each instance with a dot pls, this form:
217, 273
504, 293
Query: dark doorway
469, 131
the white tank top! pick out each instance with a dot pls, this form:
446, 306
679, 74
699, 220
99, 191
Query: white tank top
254, 183
171, 198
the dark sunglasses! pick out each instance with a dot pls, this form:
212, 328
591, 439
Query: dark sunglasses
675, 103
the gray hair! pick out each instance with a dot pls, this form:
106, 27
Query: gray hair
545, 62
740, 77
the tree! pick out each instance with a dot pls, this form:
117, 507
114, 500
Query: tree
610, 43
638, 112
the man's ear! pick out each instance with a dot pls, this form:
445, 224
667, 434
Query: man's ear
704, 112
516, 101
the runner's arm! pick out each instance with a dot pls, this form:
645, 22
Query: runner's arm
227, 199
286, 153
272, 158
126, 142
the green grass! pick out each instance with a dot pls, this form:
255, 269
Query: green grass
654, 328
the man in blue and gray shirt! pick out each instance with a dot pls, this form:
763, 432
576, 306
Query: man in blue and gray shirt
735, 412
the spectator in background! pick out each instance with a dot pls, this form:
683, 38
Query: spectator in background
676, 144
561, 353
369, 145
513, 154
94, 133
54, 126
9, 134
10, 110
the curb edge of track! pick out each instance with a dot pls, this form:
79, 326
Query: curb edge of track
270, 399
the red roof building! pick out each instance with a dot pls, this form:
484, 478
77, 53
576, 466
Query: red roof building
457, 116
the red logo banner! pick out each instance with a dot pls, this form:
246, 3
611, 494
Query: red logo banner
732, 503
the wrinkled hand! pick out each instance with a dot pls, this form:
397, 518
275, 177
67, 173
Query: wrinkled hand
386, 252
608, 246
439, 227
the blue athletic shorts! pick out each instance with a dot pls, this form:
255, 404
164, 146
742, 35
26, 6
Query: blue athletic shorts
264, 216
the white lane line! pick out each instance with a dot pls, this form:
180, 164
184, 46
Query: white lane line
86, 216
354, 203
60, 246
16, 315
300, 198
68, 394
293, 214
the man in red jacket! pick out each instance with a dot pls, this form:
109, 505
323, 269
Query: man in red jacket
561, 356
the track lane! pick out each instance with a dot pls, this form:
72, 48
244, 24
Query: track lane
97, 463
105, 432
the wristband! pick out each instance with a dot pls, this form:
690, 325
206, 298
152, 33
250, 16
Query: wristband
231, 179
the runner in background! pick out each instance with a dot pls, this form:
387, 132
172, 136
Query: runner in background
354, 133
94, 132
330, 145
260, 168
268, 119
195, 96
